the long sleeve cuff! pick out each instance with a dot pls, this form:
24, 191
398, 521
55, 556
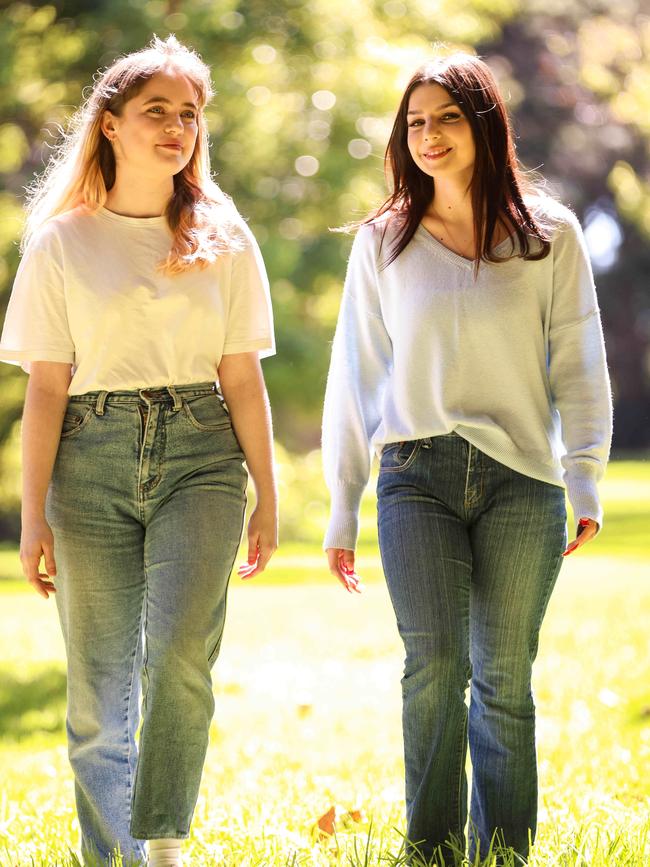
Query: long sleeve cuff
583, 493
343, 527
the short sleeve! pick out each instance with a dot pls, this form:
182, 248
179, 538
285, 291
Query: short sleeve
250, 316
36, 323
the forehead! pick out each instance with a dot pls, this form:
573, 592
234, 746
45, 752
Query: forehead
171, 84
428, 97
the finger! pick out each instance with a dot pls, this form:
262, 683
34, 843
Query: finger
350, 580
346, 560
580, 540
245, 569
260, 564
354, 583
266, 552
253, 547
346, 566
50, 563
43, 587
341, 563
30, 563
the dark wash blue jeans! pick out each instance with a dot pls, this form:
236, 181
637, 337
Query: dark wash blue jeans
146, 505
471, 551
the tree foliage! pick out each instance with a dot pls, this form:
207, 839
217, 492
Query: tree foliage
306, 93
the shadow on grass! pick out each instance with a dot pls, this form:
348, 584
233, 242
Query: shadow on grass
32, 705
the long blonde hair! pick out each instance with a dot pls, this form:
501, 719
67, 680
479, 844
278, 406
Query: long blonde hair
204, 221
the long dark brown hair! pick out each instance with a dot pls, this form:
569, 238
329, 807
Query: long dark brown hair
498, 183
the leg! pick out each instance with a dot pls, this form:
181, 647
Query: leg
517, 542
191, 543
427, 562
99, 598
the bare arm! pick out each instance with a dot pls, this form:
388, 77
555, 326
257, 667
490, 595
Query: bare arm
242, 385
45, 404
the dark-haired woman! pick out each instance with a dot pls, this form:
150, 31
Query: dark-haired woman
469, 355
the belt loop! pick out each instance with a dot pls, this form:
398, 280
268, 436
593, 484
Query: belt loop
178, 404
101, 400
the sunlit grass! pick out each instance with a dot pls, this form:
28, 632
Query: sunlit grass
308, 717
308, 710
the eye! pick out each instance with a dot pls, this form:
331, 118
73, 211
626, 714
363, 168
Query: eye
188, 114
451, 114
416, 122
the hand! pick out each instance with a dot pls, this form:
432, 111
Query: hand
587, 529
341, 563
262, 539
36, 541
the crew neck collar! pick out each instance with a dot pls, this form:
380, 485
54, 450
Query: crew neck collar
133, 221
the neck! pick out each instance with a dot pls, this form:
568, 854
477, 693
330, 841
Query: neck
452, 203
135, 196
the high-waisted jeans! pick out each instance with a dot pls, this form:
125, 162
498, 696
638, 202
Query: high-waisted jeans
471, 550
146, 504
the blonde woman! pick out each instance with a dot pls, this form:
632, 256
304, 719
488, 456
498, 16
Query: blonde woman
139, 287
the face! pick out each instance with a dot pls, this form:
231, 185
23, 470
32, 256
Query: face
157, 130
440, 138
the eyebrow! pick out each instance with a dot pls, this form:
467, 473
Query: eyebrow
419, 111
168, 102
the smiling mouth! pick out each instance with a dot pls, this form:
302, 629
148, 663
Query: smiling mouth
436, 155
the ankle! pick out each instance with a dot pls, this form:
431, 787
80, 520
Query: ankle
165, 852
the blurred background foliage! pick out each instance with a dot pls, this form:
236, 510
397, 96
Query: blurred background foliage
306, 93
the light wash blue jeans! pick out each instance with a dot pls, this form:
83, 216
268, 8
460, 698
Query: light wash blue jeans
471, 550
146, 505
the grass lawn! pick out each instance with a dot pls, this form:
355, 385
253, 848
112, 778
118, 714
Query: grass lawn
308, 713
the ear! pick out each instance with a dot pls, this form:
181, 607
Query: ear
108, 124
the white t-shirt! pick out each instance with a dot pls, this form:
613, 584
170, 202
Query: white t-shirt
87, 292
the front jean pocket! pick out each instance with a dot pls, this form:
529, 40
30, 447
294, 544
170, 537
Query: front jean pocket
206, 413
397, 457
76, 417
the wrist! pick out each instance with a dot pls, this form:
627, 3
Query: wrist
267, 492
32, 513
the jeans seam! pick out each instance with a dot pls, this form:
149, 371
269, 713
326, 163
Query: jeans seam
161, 436
469, 463
130, 785
212, 656
144, 429
461, 771
144, 676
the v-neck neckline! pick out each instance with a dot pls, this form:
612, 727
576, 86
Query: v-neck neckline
453, 257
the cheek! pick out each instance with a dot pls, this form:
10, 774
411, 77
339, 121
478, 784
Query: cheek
411, 142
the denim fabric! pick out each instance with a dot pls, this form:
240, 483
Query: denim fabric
471, 550
146, 504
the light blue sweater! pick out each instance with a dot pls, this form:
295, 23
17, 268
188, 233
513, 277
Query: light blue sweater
513, 361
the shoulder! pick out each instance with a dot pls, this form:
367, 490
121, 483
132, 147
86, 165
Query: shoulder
374, 237
556, 217
63, 228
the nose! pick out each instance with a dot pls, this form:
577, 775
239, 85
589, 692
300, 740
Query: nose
174, 122
431, 131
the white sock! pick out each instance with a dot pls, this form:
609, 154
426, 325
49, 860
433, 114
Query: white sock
165, 852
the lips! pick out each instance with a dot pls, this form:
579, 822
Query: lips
175, 146
436, 154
